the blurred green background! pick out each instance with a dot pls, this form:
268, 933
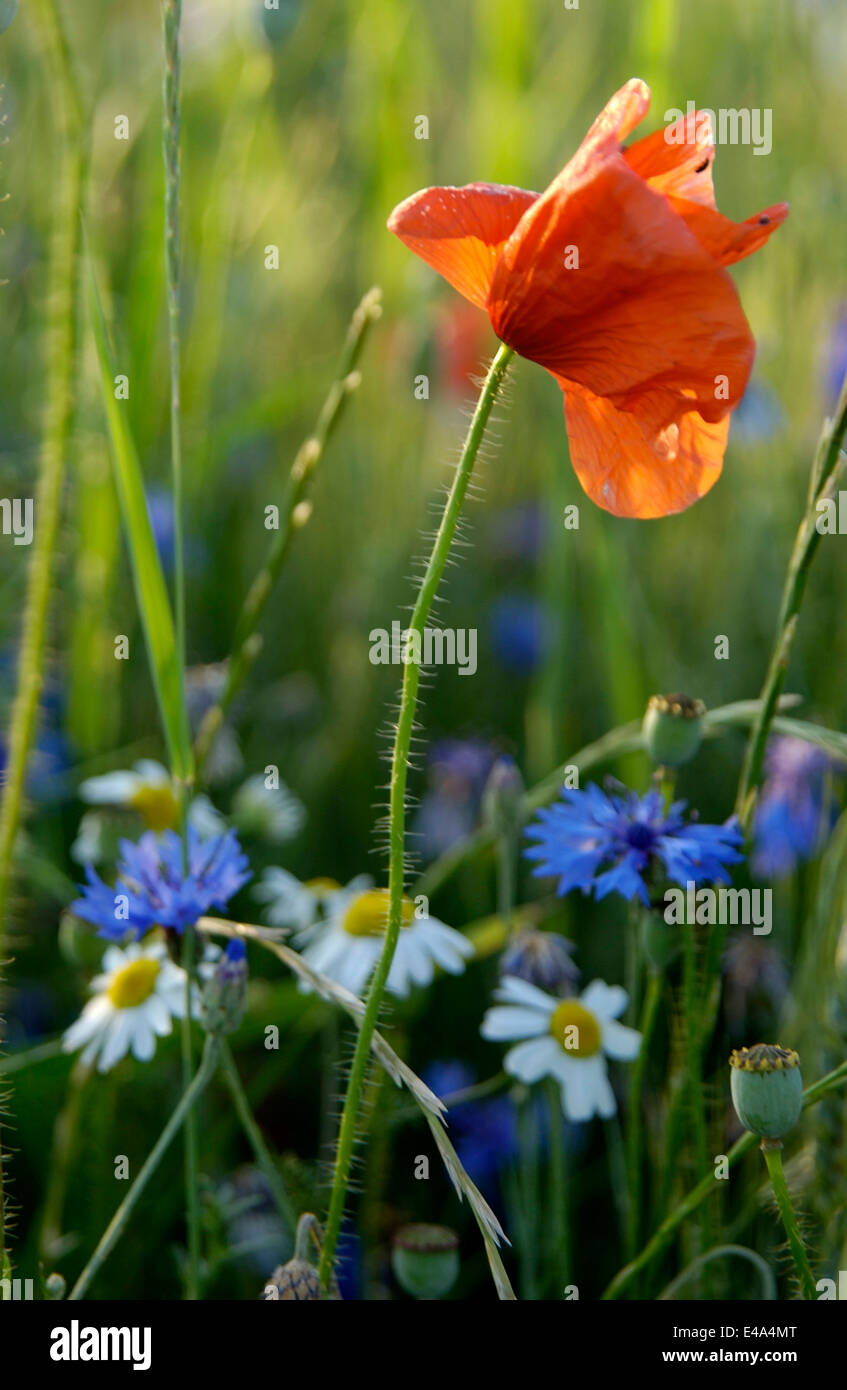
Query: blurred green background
299, 131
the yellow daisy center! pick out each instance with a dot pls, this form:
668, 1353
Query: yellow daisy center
134, 983
575, 1029
322, 885
158, 806
367, 914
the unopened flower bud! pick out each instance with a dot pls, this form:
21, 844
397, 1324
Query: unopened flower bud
543, 958
673, 729
225, 991
767, 1088
501, 799
54, 1286
294, 1281
425, 1260
298, 1279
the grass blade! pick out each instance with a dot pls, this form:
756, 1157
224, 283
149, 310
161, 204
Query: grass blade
150, 588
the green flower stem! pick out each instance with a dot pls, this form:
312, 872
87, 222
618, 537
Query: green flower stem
627, 738
559, 1215
18, 1061
60, 355
704, 1189
772, 1151
397, 804
722, 1252
171, 129
192, 1195
64, 1138
118, 1223
635, 1116
826, 472
171, 123
254, 1135
247, 643
507, 850
693, 1059
616, 1159
528, 1194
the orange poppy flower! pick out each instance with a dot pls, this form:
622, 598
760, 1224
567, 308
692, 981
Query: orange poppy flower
614, 280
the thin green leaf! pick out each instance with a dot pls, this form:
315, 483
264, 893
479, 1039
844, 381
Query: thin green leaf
150, 588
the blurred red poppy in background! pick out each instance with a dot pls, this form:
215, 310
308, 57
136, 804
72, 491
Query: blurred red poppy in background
614, 280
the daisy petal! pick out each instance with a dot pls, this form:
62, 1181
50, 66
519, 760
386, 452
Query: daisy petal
507, 1022
606, 1001
620, 1042
532, 1060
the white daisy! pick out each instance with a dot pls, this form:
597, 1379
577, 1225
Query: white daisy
290, 903
135, 999
568, 1039
146, 788
273, 812
348, 944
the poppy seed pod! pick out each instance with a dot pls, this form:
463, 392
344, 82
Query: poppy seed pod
673, 729
425, 1260
767, 1088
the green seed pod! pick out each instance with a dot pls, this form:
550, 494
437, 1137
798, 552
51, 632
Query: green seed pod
425, 1260
767, 1088
673, 729
54, 1286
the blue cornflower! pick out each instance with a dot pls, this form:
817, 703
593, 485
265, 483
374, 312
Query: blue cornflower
617, 842
152, 890
792, 812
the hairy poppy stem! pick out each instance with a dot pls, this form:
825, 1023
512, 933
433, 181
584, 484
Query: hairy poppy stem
397, 805
772, 1151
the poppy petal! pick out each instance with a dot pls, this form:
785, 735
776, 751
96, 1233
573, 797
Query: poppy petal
619, 117
724, 239
461, 231
678, 159
646, 312
629, 471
